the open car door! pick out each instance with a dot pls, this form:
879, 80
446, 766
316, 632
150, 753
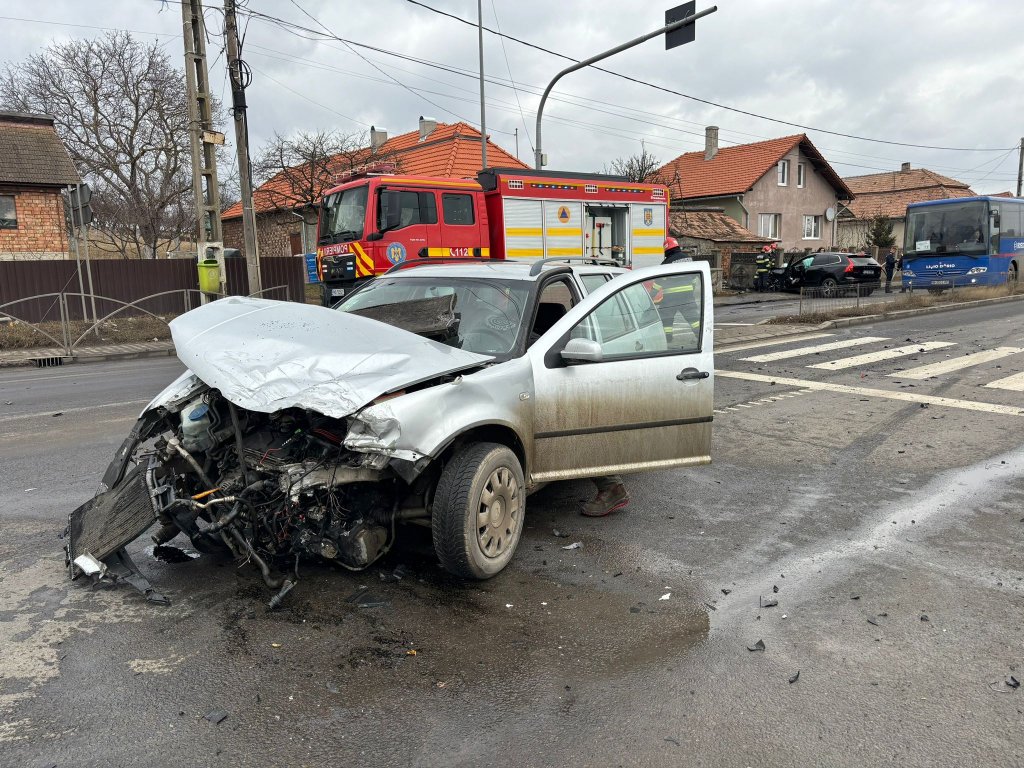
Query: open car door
625, 381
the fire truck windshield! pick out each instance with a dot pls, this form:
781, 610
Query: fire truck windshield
343, 216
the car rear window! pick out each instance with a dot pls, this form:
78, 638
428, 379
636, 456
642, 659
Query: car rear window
863, 261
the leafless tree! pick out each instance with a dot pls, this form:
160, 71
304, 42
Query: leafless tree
121, 109
301, 167
637, 168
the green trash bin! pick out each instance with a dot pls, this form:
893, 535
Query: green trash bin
209, 276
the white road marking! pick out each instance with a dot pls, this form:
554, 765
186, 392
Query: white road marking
885, 354
1013, 383
957, 363
52, 377
64, 411
817, 348
727, 348
907, 397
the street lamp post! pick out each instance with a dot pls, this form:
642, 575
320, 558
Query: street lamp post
665, 30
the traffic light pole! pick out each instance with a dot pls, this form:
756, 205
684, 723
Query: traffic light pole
538, 153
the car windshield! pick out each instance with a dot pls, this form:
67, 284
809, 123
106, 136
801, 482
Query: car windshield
955, 228
343, 216
488, 313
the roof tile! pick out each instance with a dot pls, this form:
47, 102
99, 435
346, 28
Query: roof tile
889, 193
32, 153
714, 225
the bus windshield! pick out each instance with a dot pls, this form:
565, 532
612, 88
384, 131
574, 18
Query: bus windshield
343, 216
953, 228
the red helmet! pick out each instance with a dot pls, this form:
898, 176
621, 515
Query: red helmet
670, 243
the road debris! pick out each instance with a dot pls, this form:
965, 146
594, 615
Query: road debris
775, 588
362, 598
216, 716
855, 597
758, 646
666, 596
873, 620
574, 545
670, 740
411, 652
726, 591
768, 602
924, 617
559, 534
795, 677
1013, 682
58, 413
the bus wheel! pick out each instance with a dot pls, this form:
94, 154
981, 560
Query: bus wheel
1012, 275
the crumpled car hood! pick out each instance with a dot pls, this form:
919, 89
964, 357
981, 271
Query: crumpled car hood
269, 355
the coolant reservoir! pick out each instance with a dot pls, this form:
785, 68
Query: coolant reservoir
195, 426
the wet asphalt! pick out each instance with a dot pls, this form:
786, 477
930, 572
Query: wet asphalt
891, 532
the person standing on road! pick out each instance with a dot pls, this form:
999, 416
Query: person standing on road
763, 264
890, 268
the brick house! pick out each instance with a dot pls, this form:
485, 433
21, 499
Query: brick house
887, 194
780, 189
284, 228
34, 169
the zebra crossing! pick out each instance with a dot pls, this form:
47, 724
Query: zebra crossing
875, 352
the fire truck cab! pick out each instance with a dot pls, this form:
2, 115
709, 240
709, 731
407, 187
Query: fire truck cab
373, 222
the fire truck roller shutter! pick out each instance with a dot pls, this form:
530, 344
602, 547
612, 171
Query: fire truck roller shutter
563, 228
524, 233
647, 227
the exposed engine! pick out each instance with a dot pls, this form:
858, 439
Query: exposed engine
268, 489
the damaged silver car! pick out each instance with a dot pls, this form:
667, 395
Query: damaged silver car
440, 393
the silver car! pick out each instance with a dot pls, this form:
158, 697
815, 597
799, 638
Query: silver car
440, 393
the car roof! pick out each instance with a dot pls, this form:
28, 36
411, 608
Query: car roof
497, 269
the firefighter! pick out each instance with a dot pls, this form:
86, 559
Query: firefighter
763, 264
673, 252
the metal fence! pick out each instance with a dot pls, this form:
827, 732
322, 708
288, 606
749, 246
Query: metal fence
66, 330
831, 298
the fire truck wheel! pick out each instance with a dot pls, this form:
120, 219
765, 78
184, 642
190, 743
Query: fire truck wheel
478, 508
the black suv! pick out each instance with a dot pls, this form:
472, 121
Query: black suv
827, 270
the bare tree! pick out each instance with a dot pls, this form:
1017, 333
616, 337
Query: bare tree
120, 108
297, 170
637, 168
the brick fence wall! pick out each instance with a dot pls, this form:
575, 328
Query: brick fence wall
41, 230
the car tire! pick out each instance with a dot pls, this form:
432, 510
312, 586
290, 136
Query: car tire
1012, 275
828, 287
477, 512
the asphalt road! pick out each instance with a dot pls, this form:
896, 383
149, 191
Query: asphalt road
883, 503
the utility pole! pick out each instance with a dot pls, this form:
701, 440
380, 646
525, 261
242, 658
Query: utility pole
204, 140
240, 75
1020, 167
483, 115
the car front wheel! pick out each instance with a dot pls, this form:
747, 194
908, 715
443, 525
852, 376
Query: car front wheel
477, 515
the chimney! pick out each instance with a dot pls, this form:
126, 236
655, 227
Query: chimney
710, 142
427, 126
905, 167
378, 137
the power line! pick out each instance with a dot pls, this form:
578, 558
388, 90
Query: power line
706, 101
508, 66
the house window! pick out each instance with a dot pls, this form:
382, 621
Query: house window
8, 212
770, 225
801, 171
783, 172
812, 227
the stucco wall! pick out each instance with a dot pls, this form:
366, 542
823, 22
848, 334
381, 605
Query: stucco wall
853, 233
793, 203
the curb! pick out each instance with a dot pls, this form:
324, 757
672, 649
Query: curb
25, 362
899, 314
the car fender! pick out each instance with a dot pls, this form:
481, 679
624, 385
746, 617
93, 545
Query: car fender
423, 424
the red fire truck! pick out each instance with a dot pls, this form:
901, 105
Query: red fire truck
375, 221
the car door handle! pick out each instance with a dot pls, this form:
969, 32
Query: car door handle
692, 373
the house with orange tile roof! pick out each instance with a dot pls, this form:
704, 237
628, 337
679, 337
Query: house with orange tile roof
887, 194
781, 189
286, 222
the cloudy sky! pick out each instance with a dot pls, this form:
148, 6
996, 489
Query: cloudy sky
947, 75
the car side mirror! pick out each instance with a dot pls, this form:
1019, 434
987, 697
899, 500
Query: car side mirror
375, 236
582, 351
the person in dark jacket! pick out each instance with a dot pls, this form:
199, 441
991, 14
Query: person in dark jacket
890, 268
673, 252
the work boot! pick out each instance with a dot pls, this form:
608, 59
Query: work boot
606, 502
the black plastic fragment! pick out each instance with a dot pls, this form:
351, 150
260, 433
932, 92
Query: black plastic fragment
758, 646
769, 602
873, 620
1013, 682
726, 591
216, 716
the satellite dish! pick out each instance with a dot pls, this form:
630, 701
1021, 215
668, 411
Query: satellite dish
830, 213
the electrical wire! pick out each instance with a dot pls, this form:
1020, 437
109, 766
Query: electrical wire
706, 101
508, 66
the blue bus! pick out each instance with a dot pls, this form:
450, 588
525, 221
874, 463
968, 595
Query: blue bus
963, 242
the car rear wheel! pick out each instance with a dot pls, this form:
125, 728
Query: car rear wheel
477, 516
828, 287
